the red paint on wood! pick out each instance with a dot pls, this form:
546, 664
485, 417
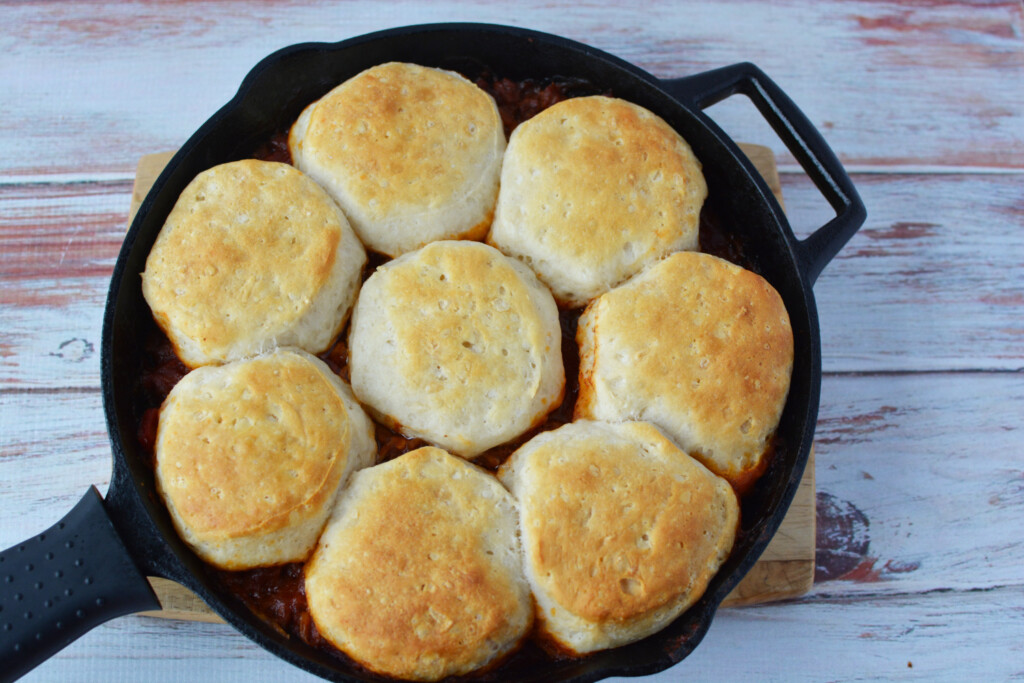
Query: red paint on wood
855, 428
864, 572
52, 235
898, 567
867, 570
909, 21
60, 246
902, 230
63, 294
1015, 299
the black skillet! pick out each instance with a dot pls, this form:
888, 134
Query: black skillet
90, 567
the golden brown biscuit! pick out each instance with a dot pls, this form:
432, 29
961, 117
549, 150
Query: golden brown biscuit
250, 456
457, 344
594, 189
254, 255
419, 572
621, 530
412, 154
698, 346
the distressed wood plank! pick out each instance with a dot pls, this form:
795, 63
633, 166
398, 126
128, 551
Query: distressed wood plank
948, 636
42, 347
52, 231
58, 243
53, 447
930, 280
954, 636
921, 483
929, 85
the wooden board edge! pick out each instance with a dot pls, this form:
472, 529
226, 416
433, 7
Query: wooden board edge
178, 602
772, 582
146, 172
778, 577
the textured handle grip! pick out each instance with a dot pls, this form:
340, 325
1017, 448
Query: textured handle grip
72, 577
800, 137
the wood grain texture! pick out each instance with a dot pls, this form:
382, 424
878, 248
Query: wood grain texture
932, 243
974, 636
935, 467
874, 639
890, 83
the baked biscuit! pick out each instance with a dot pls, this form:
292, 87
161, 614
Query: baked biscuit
621, 530
412, 154
254, 255
250, 456
698, 346
593, 189
419, 572
458, 345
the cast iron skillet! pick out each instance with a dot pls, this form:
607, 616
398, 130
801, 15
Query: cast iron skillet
90, 567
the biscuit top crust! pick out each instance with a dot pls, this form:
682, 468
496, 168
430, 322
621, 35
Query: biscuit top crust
700, 347
474, 296
473, 338
592, 190
418, 574
241, 257
617, 521
403, 139
241, 446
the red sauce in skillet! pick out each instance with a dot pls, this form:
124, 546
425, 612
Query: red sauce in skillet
277, 594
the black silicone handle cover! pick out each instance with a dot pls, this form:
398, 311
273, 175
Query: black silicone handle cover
56, 586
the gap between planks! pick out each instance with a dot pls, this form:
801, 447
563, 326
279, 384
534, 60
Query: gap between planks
785, 569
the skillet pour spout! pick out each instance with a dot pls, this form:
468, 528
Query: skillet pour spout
90, 567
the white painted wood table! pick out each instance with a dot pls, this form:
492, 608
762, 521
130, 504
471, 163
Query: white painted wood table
920, 467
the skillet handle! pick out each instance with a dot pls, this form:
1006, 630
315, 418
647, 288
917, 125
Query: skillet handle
67, 580
800, 137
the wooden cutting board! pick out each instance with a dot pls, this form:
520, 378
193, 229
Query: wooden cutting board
785, 569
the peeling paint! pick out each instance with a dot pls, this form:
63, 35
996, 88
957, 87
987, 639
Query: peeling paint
844, 544
842, 538
902, 230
